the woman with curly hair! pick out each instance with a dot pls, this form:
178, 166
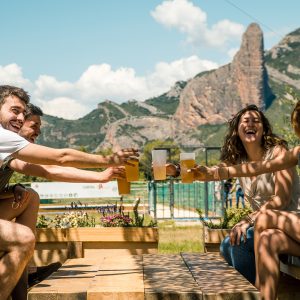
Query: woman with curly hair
250, 138
277, 232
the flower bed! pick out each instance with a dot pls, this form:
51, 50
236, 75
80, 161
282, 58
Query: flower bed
58, 244
215, 232
76, 234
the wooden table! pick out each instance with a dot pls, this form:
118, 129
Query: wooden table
188, 276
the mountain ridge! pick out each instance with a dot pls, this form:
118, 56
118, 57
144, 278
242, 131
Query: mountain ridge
185, 112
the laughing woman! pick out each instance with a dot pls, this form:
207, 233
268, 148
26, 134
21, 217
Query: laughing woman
250, 138
276, 231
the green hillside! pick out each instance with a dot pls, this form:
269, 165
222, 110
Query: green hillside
134, 109
211, 135
167, 105
287, 56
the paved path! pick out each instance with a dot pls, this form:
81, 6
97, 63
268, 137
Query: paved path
163, 212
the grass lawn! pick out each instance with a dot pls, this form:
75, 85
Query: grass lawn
175, 238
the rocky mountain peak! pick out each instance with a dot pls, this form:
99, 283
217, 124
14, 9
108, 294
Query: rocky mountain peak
214, 97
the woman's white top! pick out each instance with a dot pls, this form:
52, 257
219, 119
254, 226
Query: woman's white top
260, 189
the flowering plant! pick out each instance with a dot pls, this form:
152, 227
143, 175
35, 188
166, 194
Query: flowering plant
67, 220
110, 216
231, 217
116, 220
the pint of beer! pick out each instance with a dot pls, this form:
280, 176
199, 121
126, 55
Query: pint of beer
123, 186
159, 159
132, 172
187, 161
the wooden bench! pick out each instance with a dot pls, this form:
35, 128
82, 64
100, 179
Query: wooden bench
203, 276
292, 267
217, 279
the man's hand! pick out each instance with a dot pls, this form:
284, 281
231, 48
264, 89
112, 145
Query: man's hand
121, 157
112, 173
171, 169
239, 230
20, 196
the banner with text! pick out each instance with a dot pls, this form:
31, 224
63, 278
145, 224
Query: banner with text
66, 190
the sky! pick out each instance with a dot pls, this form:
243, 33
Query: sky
71, 55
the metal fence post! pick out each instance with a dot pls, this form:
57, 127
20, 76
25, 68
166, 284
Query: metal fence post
171, 188
154, 199
206, 188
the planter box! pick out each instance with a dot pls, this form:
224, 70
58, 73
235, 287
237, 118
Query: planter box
58, 244
213, 237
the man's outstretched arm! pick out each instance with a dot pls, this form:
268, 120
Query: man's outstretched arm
37, 154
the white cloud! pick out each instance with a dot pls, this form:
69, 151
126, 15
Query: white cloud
101, 82
50, 87
223, 31
72, 100
192, 20
12, 75
166, 74
63, 107
180, 14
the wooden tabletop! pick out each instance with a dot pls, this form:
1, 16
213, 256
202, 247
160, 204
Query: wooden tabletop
150, 276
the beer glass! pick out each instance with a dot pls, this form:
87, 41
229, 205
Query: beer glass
187, 161
132, 172
123, 186
159, 159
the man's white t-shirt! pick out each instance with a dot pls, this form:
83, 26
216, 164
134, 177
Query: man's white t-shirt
10, 142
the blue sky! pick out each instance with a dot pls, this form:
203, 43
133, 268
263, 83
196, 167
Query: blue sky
70, 55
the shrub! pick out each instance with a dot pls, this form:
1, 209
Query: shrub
42, 222
231, 217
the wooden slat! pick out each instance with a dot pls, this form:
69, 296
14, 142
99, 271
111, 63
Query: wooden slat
167, 277
75, 250
291, 270
70, 282
118, 248
108, 234
46, 253
215, 235
217, 279
119, 278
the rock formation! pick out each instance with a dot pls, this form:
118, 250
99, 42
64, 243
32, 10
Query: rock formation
213, 97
